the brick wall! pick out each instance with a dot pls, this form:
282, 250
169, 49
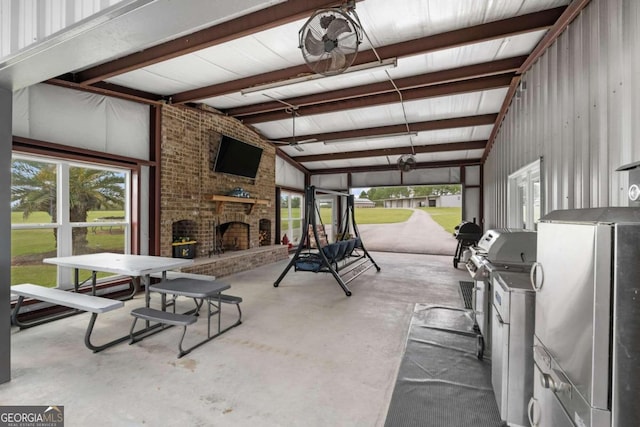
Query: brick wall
190, 137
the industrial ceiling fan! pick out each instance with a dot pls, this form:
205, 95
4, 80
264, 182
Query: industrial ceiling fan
406, 162
330, 38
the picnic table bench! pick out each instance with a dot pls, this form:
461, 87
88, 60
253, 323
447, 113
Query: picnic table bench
81, 302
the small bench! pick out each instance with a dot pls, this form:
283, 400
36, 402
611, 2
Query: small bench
164, 317
82, 302
207, 292
232, 299
171, 275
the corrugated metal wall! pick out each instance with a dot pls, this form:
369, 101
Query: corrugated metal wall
25, 22
580, 111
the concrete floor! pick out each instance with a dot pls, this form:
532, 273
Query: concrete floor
305, 354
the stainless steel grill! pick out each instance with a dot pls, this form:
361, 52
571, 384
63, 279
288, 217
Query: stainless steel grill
502, 249
497, 250
503, 307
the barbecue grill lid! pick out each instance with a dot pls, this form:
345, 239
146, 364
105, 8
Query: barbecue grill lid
609, 215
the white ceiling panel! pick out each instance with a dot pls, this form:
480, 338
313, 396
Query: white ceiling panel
392, 160
472, 133
443, 107
264, 57
388, 22
407, 66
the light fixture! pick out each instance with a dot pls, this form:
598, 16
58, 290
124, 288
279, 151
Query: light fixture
369, 66
360, 138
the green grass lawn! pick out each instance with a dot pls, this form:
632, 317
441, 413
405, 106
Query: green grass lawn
363, 216
381, 215
448, 218
29, 247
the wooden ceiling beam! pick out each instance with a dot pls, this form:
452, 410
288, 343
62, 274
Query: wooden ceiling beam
465, 86
283, 13
429, 79
394, 151
492, 30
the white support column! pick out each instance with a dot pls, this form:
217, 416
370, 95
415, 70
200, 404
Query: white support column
6, 100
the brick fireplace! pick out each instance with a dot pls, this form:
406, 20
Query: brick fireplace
231, 234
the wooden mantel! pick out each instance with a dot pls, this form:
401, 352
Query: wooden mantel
221, 200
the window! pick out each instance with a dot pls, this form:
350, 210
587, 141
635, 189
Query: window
62, 208
291, 216
524, 197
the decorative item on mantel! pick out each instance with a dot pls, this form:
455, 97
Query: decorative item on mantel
239, 192
184, 247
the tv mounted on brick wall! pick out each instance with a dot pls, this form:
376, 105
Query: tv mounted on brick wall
237, 158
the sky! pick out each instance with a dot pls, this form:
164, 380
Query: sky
356, 191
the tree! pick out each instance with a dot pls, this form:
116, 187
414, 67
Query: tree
33, 188
363, 195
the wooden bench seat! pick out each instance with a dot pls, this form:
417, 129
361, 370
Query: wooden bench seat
82, 302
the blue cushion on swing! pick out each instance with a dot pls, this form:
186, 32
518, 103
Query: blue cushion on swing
331, 251
311, 262
342, 249
351, 244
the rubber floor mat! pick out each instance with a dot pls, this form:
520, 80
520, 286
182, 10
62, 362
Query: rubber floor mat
466, 290
441, 381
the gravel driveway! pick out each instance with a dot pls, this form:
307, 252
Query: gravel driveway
420, 234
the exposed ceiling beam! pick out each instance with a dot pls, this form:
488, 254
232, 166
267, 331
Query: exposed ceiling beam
380, 168
395, 151
569, 14
438, 77
106, 89
475, 34
465, 86
452, 123
503, 112
261, 20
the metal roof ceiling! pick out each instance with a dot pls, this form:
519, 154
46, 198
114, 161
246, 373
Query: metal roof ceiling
458, 65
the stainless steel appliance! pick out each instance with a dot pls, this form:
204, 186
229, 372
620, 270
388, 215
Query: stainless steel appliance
587, 326
498, 250
512, 326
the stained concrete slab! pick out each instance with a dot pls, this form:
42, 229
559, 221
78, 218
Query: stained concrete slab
420, 234
305, 354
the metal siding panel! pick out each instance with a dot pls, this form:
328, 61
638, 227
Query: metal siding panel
565, 70
580, 112
616, 99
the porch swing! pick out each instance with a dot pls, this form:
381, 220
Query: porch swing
345, 259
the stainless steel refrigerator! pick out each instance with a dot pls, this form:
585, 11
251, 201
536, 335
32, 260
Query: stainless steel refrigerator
587, 319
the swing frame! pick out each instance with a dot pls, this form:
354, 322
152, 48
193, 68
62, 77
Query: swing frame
328, 258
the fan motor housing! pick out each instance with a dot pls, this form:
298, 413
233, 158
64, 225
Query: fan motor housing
329, 41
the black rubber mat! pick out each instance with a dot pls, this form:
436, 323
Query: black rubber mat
441, 381
466, 290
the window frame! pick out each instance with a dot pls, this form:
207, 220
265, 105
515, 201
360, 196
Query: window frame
64, 276
289, 219
521, 184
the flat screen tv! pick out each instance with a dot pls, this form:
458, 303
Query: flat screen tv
237, 158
